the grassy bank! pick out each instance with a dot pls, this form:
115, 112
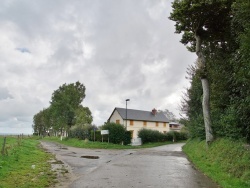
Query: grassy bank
16, 168
101, 145
226, 162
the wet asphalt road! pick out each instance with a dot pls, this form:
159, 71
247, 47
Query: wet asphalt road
164, 166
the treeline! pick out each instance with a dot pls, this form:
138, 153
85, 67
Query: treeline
224, 31
65, 112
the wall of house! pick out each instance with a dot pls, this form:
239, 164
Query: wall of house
137, 125
116, 118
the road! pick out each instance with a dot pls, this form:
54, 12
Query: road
164, 166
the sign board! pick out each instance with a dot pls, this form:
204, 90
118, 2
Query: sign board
104, 132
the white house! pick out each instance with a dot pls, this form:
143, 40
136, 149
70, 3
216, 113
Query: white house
135, 120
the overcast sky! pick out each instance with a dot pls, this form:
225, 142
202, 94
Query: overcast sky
118, 49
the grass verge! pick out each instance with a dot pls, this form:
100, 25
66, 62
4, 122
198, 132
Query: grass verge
24, 164
226, 162
100, 145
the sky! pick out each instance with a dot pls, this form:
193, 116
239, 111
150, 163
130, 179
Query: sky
119, 49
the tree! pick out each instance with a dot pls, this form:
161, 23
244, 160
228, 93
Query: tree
117, 133
240, 99
191, 106
170, 115
205, 26
64, 103
41, 123
83, 116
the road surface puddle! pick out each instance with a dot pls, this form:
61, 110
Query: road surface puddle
90, 157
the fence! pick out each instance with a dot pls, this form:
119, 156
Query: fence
4, 150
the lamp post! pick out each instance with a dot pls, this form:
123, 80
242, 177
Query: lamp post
126, 113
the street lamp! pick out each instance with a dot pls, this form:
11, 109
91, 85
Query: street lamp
126, 113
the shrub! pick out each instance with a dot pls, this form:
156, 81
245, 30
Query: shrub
97, 136
80, 132
117, 133
148, 135
127, 138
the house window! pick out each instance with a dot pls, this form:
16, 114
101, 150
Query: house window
164, 124
156, 124
131, 122
144, 123
117, 121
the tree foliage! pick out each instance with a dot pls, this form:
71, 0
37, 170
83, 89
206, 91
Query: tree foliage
210, 19
65, 111
204, 25
117, 133
170, 115
66, 100
227, 54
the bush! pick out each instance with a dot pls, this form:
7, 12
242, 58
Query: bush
97, 136
127, 138
80, 132
117, 133
148, 135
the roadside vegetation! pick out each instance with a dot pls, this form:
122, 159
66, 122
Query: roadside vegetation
148, 136
226, 161
24, 164
216, 105
74, 142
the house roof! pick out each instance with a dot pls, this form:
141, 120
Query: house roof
140, 115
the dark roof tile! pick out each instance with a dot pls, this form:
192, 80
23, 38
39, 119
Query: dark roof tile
142, 115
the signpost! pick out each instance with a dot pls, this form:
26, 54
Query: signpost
104, 132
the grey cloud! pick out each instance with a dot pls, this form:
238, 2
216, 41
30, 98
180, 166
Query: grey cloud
134, 54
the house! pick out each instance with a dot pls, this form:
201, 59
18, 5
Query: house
138, 119
173, 126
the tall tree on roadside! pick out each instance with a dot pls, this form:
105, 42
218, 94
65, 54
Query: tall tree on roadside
205, 25
64, 103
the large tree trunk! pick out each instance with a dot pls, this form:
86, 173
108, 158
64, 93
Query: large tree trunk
201, 63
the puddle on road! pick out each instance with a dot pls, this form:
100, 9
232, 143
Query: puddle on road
64, 148
90, 157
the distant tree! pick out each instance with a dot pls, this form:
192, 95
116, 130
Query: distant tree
170, 115
40, 122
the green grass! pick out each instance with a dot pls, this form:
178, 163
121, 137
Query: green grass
100, 145
15, 164
226, 162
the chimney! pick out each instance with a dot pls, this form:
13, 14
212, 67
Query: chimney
154, 111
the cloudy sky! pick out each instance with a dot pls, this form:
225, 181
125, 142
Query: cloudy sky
118, 49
